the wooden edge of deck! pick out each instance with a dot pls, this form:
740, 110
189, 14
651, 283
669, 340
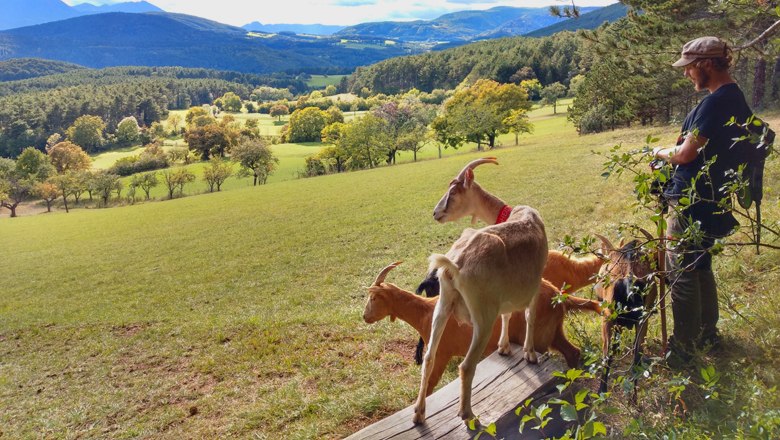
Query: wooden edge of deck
501, 384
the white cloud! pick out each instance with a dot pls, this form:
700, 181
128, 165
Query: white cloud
341, 12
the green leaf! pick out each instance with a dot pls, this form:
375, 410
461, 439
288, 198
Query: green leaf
492, 429
758, 122
543, 411
599, 428
568, 413
581, 395
472, 424
573, 374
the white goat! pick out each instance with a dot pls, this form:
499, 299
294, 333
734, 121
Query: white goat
489, 271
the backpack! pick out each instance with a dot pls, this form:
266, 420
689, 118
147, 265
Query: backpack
758, 141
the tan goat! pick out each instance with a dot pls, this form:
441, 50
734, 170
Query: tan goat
488, 272
386, 299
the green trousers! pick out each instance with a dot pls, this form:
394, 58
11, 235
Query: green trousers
693, 290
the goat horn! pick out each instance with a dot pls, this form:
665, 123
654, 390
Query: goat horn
606, 243
381, 277
475, 163
647, 235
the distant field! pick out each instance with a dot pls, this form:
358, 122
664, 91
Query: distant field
322, 81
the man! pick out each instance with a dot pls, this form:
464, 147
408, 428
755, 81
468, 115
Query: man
702, 158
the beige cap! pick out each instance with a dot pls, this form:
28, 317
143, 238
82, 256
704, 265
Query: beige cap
702, 47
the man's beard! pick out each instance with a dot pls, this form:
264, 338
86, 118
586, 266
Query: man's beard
703, 81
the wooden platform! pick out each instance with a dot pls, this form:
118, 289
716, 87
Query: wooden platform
501, 384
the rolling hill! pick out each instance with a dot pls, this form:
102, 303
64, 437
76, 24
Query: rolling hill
25, 68
163, 39
463, 26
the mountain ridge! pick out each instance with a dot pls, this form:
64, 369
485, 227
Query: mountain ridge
460, 26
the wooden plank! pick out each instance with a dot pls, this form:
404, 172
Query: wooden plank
501, 384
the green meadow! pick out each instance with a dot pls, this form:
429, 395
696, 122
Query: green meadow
322, 81
238, 314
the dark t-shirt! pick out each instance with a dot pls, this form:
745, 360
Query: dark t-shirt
709, 120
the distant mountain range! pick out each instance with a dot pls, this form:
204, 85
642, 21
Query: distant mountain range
501, 21
100, 40
19, 13
306, 29
164, 39
591, 20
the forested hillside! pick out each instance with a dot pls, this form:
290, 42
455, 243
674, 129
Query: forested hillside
23, 68
551, 59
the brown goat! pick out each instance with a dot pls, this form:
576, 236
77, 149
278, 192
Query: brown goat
386, 299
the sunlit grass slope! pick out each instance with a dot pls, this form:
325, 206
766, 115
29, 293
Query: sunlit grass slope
239, 313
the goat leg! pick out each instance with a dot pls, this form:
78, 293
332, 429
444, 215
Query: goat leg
530, 320
467, 368
503, 341
610, 351
441, 314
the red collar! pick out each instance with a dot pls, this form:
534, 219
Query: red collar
503, 215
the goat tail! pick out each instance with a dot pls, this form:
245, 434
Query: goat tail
577, 303
440, 261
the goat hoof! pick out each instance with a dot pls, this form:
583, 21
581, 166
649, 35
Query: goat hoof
418, 418
467, 415
531, 358
505, 351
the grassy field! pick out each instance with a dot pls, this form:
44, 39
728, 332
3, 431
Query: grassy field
322, 81
238, 314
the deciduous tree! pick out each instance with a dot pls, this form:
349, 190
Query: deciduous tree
16, 185
105, 184
67, 156
255, 158
279, 110
87, 132
216, 173
552, 93
306, 125
127, 131
48, 192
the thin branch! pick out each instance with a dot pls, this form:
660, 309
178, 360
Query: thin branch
764, 35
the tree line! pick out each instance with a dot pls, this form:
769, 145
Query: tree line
551, 59
477, 113
33, 109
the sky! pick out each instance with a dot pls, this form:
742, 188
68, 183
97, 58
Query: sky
334, 12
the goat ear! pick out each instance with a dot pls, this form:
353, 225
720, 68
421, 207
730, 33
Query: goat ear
469, 178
